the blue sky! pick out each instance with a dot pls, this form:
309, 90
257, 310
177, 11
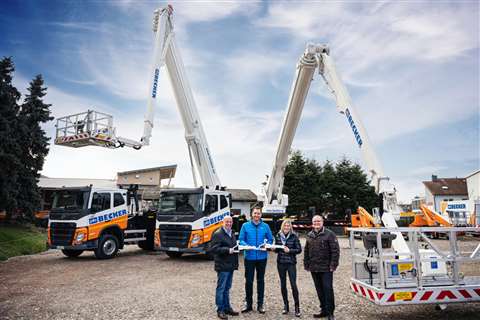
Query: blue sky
412, 69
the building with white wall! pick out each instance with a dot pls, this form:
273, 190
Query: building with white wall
473, 188
444, 189
242, 201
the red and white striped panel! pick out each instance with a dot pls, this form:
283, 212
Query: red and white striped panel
430, 295
82, 136
73, 138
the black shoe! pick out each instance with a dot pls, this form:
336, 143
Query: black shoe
222, 315
320, 315
285, 310
297, 312
231, 312
246, 309
261, 309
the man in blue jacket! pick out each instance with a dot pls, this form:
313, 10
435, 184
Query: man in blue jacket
254, 233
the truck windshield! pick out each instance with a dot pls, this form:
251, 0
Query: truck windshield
180, 203
70, 200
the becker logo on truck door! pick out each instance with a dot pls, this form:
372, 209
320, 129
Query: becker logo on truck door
107, 217
209, 221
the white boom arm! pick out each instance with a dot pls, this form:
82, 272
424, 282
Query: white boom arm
166, 53
317, 56
274, 200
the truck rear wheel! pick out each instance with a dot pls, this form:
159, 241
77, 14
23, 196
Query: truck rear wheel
107, 247
72, 253
174, 254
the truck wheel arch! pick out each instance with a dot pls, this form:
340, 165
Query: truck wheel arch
116, 231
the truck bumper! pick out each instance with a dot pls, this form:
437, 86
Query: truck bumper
198, 249
92, 244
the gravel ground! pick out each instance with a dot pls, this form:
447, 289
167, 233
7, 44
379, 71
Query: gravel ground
136, 285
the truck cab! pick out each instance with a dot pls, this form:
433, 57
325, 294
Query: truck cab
101, 220
187, 218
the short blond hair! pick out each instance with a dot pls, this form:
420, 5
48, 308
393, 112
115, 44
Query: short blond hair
286, 221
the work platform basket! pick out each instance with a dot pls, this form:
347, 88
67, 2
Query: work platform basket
91, 128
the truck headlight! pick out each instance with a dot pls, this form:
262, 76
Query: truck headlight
80, 237
195, 239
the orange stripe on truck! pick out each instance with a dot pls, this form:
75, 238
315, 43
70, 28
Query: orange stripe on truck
95, 230
204, 234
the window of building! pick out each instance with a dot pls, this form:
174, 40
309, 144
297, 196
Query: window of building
235, 212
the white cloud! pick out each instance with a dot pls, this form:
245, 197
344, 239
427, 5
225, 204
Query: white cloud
364, 37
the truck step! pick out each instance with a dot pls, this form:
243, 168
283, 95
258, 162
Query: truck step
134, 239
136, 231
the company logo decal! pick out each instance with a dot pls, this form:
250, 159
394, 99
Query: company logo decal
354, 127
107, 217
155, 82
209, 221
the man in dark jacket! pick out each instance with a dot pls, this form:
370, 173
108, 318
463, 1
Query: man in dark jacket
226, 261
322, 253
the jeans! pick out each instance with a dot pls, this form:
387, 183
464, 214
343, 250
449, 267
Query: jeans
250, 267
291, 269
324, 286
222, 294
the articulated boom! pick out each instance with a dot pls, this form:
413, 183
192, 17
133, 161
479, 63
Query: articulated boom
95, 128
318, 56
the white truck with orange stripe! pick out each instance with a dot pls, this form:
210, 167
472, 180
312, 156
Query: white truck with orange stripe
186, 218
100, 220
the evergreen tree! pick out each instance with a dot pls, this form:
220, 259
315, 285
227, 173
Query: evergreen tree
294, 183
9, 148
329, 188
34, 145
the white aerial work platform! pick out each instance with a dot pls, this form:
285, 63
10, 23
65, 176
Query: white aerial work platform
84, 129
428, 275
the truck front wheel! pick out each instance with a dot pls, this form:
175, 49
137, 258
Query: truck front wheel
107, 247
72, 253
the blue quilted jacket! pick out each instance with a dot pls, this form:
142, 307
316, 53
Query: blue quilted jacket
254, 235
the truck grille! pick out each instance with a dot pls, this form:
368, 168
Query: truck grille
175, 235
61, 233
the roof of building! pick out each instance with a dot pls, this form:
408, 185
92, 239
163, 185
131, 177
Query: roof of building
166, 172
447, 186
243, 195
472, 174
53, 183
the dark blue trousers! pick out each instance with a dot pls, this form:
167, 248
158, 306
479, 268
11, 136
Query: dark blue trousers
222, 294
250, 267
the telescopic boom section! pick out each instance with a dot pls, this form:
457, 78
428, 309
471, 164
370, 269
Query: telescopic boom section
274, 201
166, 53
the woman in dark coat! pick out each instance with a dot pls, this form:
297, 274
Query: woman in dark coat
287, 263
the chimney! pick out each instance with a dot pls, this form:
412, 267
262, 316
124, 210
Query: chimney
434, 177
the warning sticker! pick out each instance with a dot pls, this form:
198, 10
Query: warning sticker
403, 296
402, 267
